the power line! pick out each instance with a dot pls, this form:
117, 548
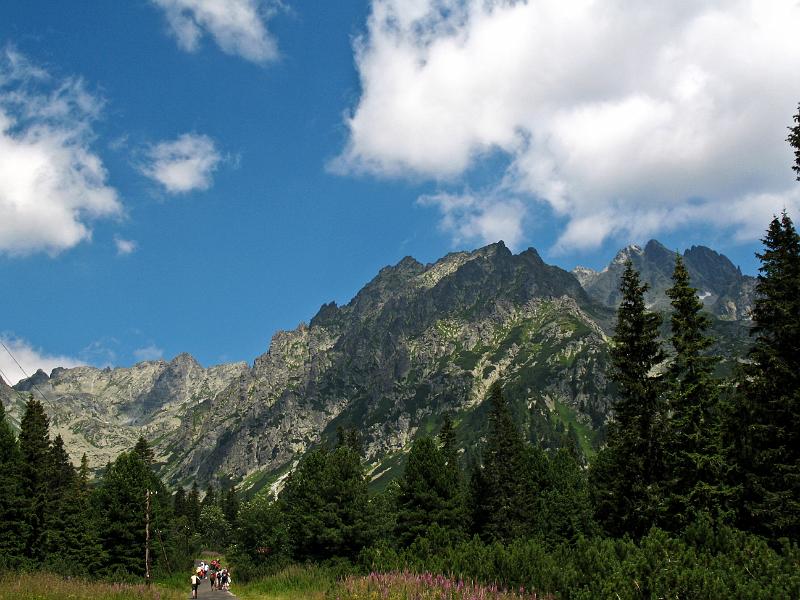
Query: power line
36, 387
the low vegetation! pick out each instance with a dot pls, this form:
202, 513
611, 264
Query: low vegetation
38, 586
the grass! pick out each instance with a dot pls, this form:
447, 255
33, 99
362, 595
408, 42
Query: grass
46, 586
409, 586
296, 582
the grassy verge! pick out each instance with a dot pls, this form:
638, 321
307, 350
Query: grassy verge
425, 586
296, 582
45, 586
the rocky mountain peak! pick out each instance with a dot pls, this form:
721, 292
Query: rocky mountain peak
723, 289
38, 379
626, 254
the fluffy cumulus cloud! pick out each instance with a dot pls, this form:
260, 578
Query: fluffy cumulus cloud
29, 358
626, 119
237, 26
184, 164
52, 185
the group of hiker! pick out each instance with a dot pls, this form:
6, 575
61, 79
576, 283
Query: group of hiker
219, 578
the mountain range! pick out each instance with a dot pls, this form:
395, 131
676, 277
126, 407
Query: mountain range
416, 342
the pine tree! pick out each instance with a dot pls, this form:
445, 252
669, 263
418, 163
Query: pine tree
12, 525
625, 476
794, 142
210, 499
326, 503
61, 479
230, 505
81, 551
121, 501
566, 508
766, 446
144, 451
428, 496
179, 503
505, 503
35, 449
693, 453
192, 508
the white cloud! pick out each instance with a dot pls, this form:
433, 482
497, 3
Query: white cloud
125, 247
30, 358
51, 183
626, 119
469, 218
184, 164
238, 26
151, 352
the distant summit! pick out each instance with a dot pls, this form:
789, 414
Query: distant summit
721, 286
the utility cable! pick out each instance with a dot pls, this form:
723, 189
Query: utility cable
36, 387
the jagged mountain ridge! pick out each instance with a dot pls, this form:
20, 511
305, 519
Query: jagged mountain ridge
416, 341
103, 411
725, 291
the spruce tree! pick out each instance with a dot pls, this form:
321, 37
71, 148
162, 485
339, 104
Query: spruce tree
507, 485
625, 475
81, 551
12, 523
61, 481
179, 503
121, 501
693, 454
766, 440
326, 503
144, 451
230, 505
428, 495
210, 499
794, 142
192, 509
566, 508
36, 470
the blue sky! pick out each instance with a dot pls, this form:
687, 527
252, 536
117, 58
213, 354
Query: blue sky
192, 175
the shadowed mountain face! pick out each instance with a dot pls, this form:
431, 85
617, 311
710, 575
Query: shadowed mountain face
417, 341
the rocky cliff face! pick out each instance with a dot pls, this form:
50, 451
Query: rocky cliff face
417, 341
102, 412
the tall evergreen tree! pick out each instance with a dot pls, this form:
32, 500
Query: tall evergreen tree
35, 449
230, 505
625, 475
566, 508
61, 479
179, 502
794, 142
12, 523
210, 499
693, 453
428, 495
80, 549
192, 509
144, 451
121, 501
504, 505
326, 503
766, 448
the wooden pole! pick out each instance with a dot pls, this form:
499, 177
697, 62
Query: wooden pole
147, 537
